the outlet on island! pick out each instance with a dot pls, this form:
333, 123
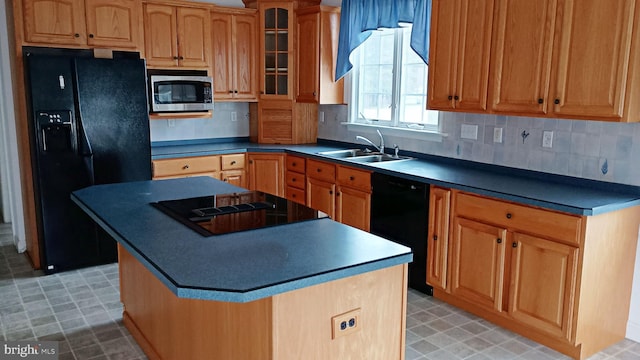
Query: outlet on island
345, 324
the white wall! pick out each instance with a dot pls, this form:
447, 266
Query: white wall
11, 189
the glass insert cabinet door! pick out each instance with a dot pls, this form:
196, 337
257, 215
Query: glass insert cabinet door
277, 47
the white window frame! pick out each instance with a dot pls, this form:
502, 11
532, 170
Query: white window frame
395, 127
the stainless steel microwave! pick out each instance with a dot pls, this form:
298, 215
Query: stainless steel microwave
180, 93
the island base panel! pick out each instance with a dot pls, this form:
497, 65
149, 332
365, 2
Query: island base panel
292, 325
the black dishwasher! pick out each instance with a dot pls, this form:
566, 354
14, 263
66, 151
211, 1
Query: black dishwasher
400, 212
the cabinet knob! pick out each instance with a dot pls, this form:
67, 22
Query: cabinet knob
337, 194
91, 36
293, 195
233, 162
181, 58
314, 94
225, 180
540, 101
450, 97
235, 91
352, 178
175, 58
185, 167
509, 216
293, 164
76, 35
499, 241
319, 170
250, 161
330, 192
514, 244
556, 101
230, 91
435, 237
293, 180
456, 98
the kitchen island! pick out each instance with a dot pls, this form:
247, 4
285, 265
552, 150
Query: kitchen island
315, 289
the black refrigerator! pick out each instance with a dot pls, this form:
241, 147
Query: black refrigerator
89, 124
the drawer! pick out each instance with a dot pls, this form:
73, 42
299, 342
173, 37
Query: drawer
527, 219
185, 166
295, 180
321, 170
355, 178
296, 195
232, 162
296, 163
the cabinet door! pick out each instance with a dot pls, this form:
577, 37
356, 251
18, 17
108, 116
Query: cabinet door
353, 207
477, 263
460, 51
54, 21
234, 177
521, 59
276, 47
308, 59
160, 35
245, 52
321, 195
543, 279
266, 173
114, 23
438, 238
222, 56
592, 57
194, 37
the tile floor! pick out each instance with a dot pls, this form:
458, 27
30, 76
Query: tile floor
81, 310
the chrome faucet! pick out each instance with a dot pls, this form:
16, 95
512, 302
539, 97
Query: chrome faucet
379, 148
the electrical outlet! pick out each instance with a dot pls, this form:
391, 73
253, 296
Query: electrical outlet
171, 123
469, 132
346, 323
547, 139
234, 116
321, 116
497, 135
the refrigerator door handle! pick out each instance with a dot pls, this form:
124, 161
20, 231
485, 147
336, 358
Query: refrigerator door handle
86, 152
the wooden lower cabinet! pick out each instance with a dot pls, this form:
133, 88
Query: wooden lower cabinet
266, 173
438, 237
344, 193
288, 326
477, 265
233, 169
187, 167
559, 279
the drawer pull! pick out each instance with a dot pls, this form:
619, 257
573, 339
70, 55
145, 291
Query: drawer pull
352, 178
294, 164
337, 194
319, 170
509, 216
233, 162
435, 237
514, 244
225, 180
293, 180
185, 167
499, 241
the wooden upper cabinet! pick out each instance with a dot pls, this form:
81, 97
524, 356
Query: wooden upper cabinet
459, 54
114, 23
276, 50
521, 56
54, 21
177, 36
593, 48
317, 30
235, 52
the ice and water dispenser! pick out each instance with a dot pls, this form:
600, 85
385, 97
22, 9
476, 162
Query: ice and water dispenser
56, 131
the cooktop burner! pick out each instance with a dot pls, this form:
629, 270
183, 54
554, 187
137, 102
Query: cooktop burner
227, 213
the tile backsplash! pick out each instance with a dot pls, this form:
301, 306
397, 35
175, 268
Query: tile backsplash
220, 125
587, 149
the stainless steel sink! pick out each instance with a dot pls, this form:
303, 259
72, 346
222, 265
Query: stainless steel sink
377, 158
349, 153
362, 156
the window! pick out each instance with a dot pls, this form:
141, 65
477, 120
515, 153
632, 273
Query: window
389, 83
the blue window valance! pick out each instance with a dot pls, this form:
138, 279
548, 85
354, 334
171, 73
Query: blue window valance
359, 17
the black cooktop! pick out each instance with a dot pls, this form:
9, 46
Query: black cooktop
227, 213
